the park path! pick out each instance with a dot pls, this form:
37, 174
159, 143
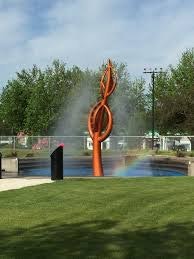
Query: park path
17, 182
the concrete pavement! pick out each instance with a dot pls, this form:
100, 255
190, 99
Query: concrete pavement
17, 182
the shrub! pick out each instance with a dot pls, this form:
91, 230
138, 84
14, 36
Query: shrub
12, 154
86, 153
180, 153
191, 154
30, 155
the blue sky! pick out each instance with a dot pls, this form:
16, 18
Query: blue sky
149, 33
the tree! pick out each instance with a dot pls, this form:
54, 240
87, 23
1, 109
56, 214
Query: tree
82, 96
57, 101
174, 97
128, 104
50, 97
14, 99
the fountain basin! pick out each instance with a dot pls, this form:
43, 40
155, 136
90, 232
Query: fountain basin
113, 166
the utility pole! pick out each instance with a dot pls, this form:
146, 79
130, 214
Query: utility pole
153, 72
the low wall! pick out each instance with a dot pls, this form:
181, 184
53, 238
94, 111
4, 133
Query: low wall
10, 165
191, 168
185, 165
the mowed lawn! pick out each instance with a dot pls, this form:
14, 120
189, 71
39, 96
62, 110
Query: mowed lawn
100, 218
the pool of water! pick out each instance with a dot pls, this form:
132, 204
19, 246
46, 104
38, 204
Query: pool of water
122, 172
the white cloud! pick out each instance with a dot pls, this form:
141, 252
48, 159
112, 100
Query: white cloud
86, 33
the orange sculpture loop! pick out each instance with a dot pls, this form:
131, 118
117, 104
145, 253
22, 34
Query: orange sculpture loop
100, 119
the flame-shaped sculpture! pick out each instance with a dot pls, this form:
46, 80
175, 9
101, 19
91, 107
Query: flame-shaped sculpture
100, 119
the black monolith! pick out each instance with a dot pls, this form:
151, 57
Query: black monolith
57, 164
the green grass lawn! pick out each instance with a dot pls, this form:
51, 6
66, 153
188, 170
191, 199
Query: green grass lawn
102, 218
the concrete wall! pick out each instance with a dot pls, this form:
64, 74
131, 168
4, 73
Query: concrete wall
191, 168
10, 165
181, 164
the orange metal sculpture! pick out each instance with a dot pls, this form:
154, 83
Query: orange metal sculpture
100, 119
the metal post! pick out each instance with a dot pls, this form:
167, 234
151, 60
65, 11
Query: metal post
153, 108
153, 72
49, 140
14, 144
0, 166
84, 143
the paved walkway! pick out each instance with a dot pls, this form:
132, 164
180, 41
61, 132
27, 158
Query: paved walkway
17, 183
14, 182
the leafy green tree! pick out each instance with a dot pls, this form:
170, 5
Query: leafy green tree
57, 100
82, 96
50, 97
174, 97
14, 99
129, 104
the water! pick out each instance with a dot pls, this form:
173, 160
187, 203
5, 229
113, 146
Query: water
122, 172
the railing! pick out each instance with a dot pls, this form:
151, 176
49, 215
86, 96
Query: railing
30, 146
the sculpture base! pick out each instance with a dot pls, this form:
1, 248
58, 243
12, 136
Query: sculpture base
97, 159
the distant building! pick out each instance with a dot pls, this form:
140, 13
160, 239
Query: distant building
175, 143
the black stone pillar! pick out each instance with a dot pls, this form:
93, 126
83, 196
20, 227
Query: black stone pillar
57, 164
